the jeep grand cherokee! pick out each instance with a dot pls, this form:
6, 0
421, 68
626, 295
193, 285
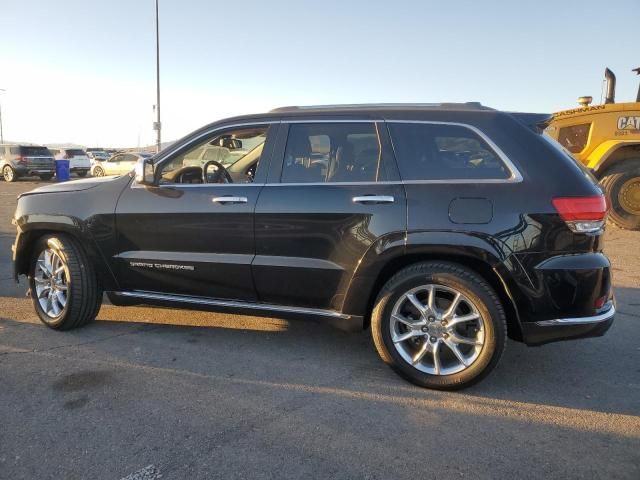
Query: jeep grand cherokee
443, 228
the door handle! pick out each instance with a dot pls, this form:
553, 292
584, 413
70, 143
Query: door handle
369, 199
229, 199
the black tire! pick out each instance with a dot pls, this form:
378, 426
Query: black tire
46, 177
458, 278
82, 173
622, 186
84, 292
9, 174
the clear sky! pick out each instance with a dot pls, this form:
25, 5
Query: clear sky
84, 71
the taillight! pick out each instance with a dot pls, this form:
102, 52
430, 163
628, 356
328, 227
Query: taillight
582, 214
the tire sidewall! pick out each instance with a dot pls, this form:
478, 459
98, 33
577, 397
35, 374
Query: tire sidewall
56, 245
491, 314
8, 168
613, 182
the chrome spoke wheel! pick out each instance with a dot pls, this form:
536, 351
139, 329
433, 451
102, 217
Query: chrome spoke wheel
51, 281
8, 174
437, 329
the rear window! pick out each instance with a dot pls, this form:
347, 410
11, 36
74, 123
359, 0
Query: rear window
428, 151
31, 151
75, 152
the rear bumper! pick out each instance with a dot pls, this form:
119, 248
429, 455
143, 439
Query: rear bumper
27, 171
546, 331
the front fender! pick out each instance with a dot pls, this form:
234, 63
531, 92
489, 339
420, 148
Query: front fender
30, 227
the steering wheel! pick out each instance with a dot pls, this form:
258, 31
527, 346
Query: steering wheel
220, 174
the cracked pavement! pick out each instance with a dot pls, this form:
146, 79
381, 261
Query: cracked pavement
159, 393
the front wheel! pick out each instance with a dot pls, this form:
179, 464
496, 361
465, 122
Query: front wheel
98, 172
439, 325
9, 174
622, 185
64, 288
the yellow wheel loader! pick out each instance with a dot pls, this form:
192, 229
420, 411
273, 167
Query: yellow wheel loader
606, 139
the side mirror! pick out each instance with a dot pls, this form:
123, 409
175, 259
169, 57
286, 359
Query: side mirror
144, 172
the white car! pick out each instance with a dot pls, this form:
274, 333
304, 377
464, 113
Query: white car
79, 162
119, 164
97, 155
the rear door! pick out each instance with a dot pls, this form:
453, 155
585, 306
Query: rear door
333, 195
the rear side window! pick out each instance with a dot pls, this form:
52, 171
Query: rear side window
575, 137
332, 152
427, 151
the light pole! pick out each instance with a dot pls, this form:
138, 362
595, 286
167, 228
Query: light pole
157, 125
1, 132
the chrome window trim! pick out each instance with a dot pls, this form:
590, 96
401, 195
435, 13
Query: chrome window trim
579, 320
232, 304
171, 150
515, 177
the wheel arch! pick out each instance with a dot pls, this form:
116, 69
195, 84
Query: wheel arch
30, 232
613, 156
482, 261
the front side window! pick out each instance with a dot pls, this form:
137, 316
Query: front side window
223, 149
332, 152
575, 137
427, 151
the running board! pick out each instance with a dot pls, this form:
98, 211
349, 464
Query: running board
340, 320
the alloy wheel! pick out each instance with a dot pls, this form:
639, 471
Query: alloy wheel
437, 329
8, 174
51, 283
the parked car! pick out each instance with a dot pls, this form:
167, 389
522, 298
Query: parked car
444, 229
118, 164
97, 154
79, 162
25, 160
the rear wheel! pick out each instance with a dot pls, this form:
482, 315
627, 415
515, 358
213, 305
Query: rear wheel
64, 288
439, 325
82, 173
46, 177
9, 174
622, 186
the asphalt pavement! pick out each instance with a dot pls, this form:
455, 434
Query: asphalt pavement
147, 393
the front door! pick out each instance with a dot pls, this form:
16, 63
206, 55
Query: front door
333, 195
192, 235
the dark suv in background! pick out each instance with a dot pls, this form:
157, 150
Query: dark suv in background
25, 160
443, 228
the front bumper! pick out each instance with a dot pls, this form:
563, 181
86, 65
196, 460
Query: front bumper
546, 331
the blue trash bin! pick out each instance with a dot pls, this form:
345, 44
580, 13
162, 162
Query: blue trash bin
62, 170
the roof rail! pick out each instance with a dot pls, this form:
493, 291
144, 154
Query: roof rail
385, 106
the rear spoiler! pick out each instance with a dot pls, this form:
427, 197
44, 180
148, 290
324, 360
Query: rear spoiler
534, 121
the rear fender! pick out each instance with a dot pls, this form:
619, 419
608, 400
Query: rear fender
477, 251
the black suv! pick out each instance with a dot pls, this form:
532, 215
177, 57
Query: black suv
444, 228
